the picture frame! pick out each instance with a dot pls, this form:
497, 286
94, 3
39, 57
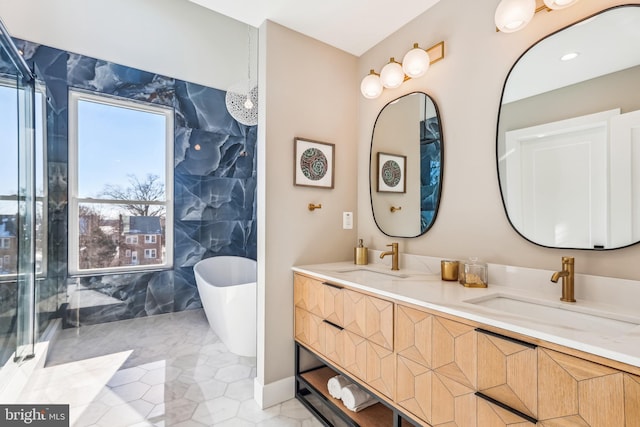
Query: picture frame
392, 173
313, 164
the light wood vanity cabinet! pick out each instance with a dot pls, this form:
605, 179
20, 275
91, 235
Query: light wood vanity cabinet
436, 368
351, 329
445, 372
573, 391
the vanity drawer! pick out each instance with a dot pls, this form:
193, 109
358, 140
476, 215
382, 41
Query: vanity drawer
308, 294
309, 330
508, 372
446, 346
434, 398
369, 317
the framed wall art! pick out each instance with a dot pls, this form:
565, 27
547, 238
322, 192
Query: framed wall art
313, 164
392, 173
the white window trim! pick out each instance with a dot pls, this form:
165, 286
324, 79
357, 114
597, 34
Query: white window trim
131, 240
74, 202
150, 254
150, 238
5, 243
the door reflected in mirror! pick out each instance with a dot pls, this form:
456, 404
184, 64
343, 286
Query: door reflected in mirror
406, 166
568, 140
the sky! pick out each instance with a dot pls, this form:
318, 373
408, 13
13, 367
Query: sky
116, 141
113, 143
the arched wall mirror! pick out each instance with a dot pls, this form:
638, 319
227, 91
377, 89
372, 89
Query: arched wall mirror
406, 166
568, 135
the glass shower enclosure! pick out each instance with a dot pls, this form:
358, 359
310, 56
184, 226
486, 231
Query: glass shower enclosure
19, 212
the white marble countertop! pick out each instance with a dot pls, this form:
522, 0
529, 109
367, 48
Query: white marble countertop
427, 290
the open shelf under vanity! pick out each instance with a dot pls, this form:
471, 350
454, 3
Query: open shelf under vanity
312, 392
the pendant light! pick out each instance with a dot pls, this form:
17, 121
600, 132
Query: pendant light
242, 97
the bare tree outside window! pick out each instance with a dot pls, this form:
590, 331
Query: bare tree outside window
137, 192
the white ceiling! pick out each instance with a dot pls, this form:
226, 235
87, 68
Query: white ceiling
354, 26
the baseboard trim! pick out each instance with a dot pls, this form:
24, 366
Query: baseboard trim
267, 395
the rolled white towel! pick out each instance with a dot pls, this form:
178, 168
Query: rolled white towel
356, 399
335, 385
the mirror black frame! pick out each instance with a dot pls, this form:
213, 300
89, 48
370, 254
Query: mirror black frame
372, 162
497, 150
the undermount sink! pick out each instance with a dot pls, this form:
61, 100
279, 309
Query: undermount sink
559, 314
368, 273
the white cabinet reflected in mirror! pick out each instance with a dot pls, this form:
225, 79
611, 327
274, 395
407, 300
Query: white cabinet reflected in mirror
568, 139
406, 166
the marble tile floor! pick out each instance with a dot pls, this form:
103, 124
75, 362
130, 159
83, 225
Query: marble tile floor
165, 370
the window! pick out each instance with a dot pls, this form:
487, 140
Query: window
150, 253
150, 238
9, 177
120, 182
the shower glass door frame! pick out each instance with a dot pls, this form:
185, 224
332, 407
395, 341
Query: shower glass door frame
25, 200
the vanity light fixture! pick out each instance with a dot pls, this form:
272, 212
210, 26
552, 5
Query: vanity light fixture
514, 15
415, 64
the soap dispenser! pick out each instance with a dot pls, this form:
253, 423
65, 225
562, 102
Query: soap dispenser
360, 254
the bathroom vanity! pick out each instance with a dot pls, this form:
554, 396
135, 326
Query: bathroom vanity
436, 353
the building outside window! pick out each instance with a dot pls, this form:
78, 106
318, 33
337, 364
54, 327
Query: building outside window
120, 184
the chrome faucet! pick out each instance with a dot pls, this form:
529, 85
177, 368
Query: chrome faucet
567, 279
394, 256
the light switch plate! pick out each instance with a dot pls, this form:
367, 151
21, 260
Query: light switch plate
347, 220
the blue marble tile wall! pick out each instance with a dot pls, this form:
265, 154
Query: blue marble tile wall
214, 188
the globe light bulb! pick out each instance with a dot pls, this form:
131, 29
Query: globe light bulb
514, 15
392, 75
371, 87
416, 62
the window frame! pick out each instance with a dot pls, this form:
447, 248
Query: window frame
75, 96
150, 239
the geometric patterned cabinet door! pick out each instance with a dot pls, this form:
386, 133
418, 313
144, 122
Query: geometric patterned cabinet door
455, 351
308, 294
436, 368
369, 317
333, 304
573, 391
309, 330
443, 345
381, 369
434, 398
508, 372
414, 335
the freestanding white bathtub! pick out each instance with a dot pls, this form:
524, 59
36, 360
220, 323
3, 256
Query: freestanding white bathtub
227, 288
